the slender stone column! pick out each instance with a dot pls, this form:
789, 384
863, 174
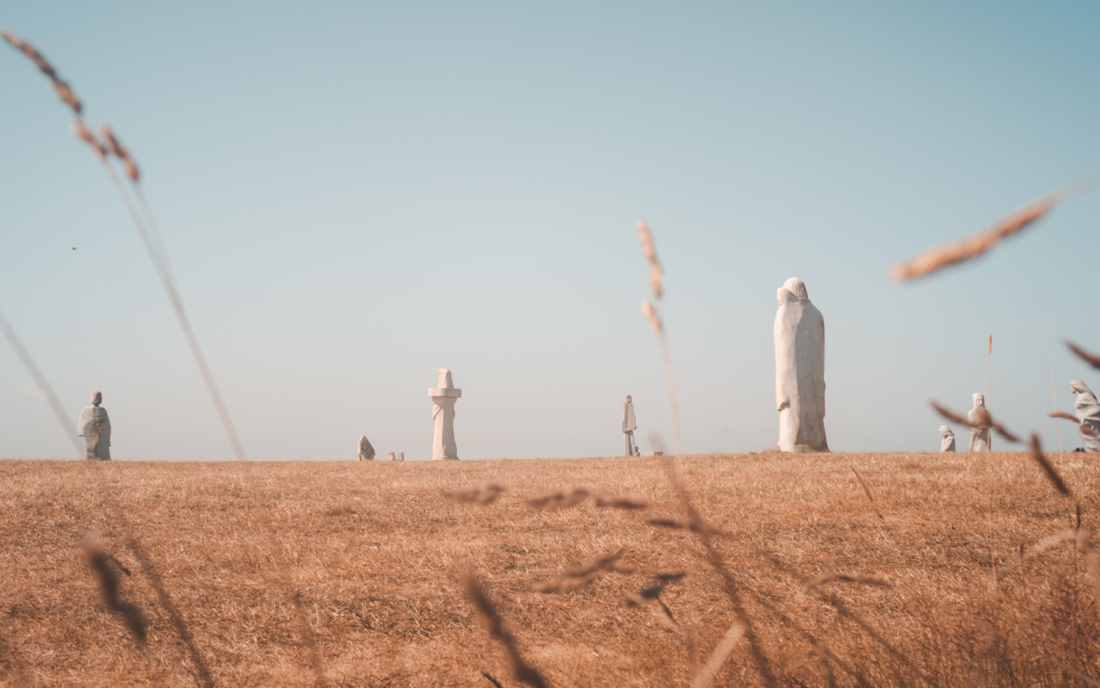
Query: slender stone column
443, 413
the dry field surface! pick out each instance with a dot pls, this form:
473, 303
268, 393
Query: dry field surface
378, 556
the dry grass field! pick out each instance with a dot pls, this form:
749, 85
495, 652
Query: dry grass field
378, 554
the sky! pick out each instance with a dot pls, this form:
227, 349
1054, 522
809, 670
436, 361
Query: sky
354, 195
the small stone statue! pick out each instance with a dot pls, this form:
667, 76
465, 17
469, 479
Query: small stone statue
629, 426
400, 456
948, 443
392, 457
366, 451
799, 334
95, 428
1088, 414
979, 415
443, 413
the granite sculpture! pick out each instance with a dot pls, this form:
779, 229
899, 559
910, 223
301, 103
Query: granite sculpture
366, 451
980, 423
948, 442
95, 427
1088, 415
443, 413
630, 448
799, 370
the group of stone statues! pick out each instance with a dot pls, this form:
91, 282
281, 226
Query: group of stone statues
1084, 403
366, 451
979, 430
799, 335
444, 447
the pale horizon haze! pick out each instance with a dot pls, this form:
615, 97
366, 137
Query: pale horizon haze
354, 195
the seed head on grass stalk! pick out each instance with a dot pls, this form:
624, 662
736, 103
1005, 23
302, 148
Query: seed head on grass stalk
867, 491
581, 575
986, 421
143, 222
1036, 454
146, 226
480, 494
652, 313
498, 628
940, 257
103, 564
1092, 359
1085, 429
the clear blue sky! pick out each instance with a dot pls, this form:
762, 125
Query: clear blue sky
355, 195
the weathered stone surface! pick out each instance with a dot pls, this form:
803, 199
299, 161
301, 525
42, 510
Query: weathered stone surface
979, 415
366, 451
948, 442
1088, 414
444, 396
630, 448
799, 334
95, 427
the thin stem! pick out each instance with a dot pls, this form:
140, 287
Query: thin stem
163, 271
154, 229
40, 380
673, 404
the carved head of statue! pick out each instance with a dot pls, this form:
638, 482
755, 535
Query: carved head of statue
628, 399
97, 398
946, 431
798, 288
445, 379
1078, 387
979, 400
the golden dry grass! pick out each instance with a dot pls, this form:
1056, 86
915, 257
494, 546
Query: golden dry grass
378, 554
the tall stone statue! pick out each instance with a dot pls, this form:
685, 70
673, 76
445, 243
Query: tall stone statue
948, 442
95, 428
1088, 414
366, 451
443, 413
799, 370
979, 415
629, 426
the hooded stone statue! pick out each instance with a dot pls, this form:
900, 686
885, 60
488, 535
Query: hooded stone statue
799, 370
1088, 414
95, 428
629, 426
948, 443
366, 451
979, 415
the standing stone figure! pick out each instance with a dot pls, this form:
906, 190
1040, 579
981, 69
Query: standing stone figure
1088, 415
799, 370
979, 415
629, 426
366, 451
443, 413
95, 428
400, 456
948, 443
